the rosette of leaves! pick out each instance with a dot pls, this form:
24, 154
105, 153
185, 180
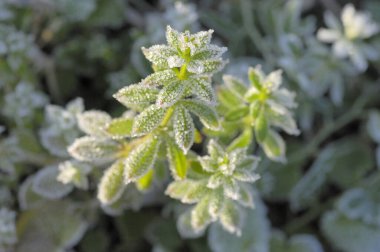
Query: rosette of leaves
160, 113
259, 108
215, 189
349, 36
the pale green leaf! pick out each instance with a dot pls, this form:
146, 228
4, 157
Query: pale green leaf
235, 85
92, 122
171, 93
183, 128
120, 127
204, 111
231, 218
136, 94
148, 120
177, 160
112, 185
274, 146
94, 149
141, 159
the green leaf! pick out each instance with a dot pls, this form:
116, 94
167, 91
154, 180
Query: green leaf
255, 233
120, 127
141, 159
204, 111
160, 78
235, 85
188, 191
94, 149
237, 113
213, 66
158, 54
183, 128
255, 77
242, 141
145, 181
92, 122
46, 184
202, 88
261, 126
112, 185
274, 146
177, 160
228, 99
171, 93
231, 217
184, 226
172, 37
136, 94
297, 243
200, 214
148, 120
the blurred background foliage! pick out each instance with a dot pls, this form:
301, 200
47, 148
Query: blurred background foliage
324, 198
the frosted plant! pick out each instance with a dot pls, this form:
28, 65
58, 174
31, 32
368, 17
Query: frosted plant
8, 235
160, 116
262, 105
23, 102
349, 38
61, 127
222, 182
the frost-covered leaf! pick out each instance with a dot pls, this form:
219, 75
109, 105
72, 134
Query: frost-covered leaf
262, 128
136, 94
160, 78
112, 185
188, 191
158, 55
141, 159
92, 122
204, 111
46, 184
274, 146
55, 226
170, 94
148, 120
235, 85
184, 226
120, 127
350, 235
93, 149
200, 214
177, 160
231, 217
183, 128
255, 233
202, 88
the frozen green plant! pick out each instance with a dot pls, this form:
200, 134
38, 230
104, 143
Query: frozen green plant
260, 107
349, 40
222, 182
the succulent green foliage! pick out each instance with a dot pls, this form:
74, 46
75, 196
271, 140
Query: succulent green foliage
112, 185
263, 105
215, 193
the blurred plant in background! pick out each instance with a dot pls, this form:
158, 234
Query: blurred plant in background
198, 160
